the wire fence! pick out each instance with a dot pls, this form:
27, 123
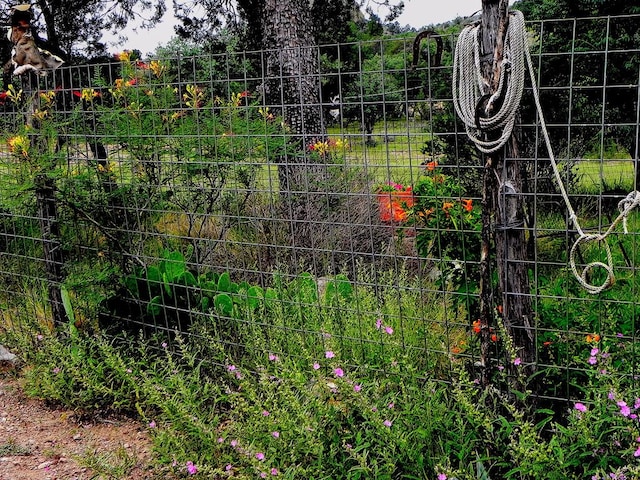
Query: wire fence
159, 195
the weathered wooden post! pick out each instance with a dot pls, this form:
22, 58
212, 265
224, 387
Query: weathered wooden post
503, 207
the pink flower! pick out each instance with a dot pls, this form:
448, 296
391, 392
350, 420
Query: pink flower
442, 476
260, 456
316, 366
637, 453
594, 352
231, 368
191, 468
275, 434
379, 323
234, 443
581, 407
625, 411
329, 354
228, 467
388, 330
592, 360
265, 413
357, 387
152, 424
274, 471
220, 440
391, 405
338, 372
517, 361
387, 423
273, 358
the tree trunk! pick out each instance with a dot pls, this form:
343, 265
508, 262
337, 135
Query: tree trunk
292, 83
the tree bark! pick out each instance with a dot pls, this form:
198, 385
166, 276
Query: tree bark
292, 84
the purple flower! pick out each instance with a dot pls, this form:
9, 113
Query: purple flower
391, 405
260, 456
265, 413
231, 368
339, 372
329, 354
625, 411
442, 476
220, 440
56, 370
592, 360
191, 468
387, 423
517, 361
594, 352
275, 434
228, 467
581, 407
234, 443
316, 366
388, 330
163, 344
152, 424
273, 358
637, 453
610, 396
357, 387
274, 471
379, 323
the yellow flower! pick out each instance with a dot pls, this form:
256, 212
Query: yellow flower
125, 56
88, 94
14, 95
19, 145
47, 98
194, 97
40, 114
157, 68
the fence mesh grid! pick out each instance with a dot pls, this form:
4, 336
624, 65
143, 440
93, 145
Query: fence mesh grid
154, 191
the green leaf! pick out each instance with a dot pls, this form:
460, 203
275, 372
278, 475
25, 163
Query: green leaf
68, 309
223, 303
173, 265
255, 295
154, 307
224, 282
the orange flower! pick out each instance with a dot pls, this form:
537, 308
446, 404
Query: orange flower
499, 308
431, 166
446, 206
468, 204
477, 326
595, 338
494, 337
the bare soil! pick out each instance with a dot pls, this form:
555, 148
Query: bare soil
45, 443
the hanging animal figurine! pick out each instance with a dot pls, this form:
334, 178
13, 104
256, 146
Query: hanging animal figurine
26, 55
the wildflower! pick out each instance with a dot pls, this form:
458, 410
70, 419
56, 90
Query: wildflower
329, 354
234, 443
595, 338
391, 405
228, 467
220, 440
468, 204
379, 324
594, 352
517, 361
316, 366
265, 413
442, 476
274, 471
388, 330
263, 475
625, 411
275, 434
581, 407
446, 206
357, 387
152, 424
592, 360
637, 453
231, 368
273, 357
338, 372
56, 370
142, 65
387, 423
260, 456
494, 337
191, 468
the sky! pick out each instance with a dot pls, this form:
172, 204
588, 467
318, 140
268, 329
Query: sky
417, 13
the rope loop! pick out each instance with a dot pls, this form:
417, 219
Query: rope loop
583, 277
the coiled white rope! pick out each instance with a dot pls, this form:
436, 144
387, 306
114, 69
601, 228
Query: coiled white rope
468, 85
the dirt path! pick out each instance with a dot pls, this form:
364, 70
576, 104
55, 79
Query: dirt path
37, 442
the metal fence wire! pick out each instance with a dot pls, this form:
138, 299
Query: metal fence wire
166, 195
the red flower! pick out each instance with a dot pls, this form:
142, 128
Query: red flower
468, 204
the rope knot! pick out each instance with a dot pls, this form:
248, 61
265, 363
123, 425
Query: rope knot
627, 204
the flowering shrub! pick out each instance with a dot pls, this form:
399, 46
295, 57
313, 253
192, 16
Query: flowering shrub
447, 223
394, 201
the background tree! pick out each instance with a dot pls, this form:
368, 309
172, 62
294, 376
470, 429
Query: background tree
73, 29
